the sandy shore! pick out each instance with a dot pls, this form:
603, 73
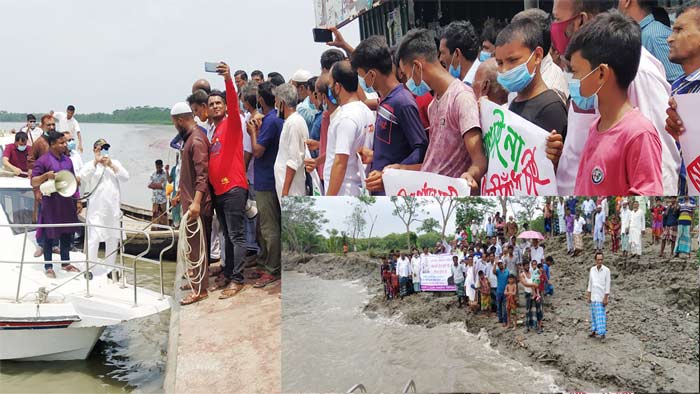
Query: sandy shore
652, 341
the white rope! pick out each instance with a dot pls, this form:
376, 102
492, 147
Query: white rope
188, 230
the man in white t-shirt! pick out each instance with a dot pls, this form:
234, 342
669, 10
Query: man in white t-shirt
65, 121
33, 132
536, 251
346, 133
579, 223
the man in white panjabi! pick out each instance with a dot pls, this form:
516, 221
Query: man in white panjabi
103, 177
636, 229
416, 270
625, 214
290, 176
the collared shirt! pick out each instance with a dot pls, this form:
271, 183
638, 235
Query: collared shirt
315, 132
599, 283
16, 157
654, 36
307, 111
458, 272
291, 155
269, 137
684, 85
554, 78
32, 134
159, 194
537, 254
403, 267
490, 229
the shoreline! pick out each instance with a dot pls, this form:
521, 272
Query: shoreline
649, 299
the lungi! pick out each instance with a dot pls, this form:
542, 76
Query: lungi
403, 286
460, 289
625, 238
485, 302
670, 233
683, 243
416, 287
578, 241
599, 320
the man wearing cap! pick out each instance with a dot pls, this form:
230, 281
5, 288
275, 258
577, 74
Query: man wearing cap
305, 108
195, 195
33, 132
103, 177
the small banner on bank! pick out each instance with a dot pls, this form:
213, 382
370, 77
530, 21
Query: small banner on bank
419, 183
436, 273
516, 150
687, 108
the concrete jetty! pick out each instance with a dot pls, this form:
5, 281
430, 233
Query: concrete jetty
225, 346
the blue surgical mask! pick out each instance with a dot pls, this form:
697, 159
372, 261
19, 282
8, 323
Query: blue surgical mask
331, 97
418, 90
585, 103
484, 56
364, 86
21, 148
455, 72
517, 78
71, 145
104, 152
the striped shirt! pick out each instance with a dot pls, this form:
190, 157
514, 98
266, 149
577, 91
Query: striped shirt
684, 85
654, 35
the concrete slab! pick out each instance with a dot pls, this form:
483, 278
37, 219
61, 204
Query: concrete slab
226, 346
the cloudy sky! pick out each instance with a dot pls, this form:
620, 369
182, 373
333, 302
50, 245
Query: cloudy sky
337, 209
107, 55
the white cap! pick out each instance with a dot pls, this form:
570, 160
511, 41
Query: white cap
180, 108
301, 75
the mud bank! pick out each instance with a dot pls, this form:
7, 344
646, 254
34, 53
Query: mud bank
652, 341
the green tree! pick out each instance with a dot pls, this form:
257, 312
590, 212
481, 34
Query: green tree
356, 222
429, 225
529, 207
447, 208
368, 201
407, 209
301, 224
472, 208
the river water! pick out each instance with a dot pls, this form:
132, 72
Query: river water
128, 357
136, 146
329, 345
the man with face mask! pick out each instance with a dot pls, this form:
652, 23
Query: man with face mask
486, 82
103, 177
290, 176
519, 54
194, 191
456, 147
648, 92
399, 136
305, 108
72, 151
316, 100
14, 156
458, 49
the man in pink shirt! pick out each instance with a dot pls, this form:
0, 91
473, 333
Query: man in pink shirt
456, 147
622, 155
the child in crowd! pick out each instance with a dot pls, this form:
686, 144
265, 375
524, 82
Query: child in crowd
614, 227
394, 284
657, 217
485, 290
511, 302
536, 279
611, 160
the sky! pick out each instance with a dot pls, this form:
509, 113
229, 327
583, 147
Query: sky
107, 55
337, 209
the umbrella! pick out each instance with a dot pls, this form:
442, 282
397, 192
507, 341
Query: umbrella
530, 234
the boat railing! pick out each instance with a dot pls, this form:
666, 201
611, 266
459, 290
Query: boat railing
356, 387
410, 387
88, 263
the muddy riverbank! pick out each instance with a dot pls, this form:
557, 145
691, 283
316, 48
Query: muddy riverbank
652, 344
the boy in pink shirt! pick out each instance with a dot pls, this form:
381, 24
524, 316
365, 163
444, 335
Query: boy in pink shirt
622, 155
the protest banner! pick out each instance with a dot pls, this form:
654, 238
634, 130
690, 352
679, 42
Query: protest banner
687, 106
436, 271
419, 183
516, 150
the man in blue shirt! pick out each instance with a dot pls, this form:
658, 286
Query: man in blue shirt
399, 136
684, 50
502, 279
654, 33
265, 136
315, 99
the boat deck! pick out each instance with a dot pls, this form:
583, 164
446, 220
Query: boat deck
226, 346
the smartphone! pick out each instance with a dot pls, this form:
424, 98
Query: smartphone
322, 35
210, 67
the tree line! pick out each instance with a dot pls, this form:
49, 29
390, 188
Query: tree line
137, 115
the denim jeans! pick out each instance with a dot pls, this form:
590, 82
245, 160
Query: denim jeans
64, 241
230, 209
501, 307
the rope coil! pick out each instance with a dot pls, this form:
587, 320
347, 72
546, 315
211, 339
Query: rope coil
188, 231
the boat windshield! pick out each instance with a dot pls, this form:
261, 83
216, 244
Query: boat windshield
18, 206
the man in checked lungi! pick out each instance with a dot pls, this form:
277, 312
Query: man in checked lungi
597, 296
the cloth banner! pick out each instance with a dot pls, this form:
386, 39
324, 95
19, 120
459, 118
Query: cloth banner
419, 183
435, 273
687, 107
516, 150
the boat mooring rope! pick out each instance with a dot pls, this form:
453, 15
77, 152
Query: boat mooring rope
187, 231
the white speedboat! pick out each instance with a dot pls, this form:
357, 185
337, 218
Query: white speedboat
62, 318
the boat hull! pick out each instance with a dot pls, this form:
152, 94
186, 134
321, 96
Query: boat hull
48, 344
